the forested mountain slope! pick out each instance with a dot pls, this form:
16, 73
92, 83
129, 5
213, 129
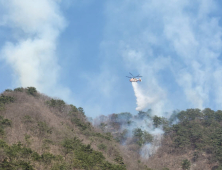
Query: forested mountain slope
38, 132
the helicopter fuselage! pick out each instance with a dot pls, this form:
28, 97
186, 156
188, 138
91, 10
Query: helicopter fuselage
135, 80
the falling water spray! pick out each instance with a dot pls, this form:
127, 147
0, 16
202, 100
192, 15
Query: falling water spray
142, 100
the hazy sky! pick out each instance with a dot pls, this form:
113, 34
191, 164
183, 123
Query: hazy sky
82, 51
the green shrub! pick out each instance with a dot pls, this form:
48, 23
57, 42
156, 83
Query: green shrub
80, 109
147, 138
218, 115
70, 144
108, 136
4, 123
27, 139
46, 143
35, 156
31, 91
47, 158
195, 156
43, 129
61, 166
102, 146
2, 107
3, 144
5, 165
109, 166
59, 104
119, 160
24, 165
14, 150
185, 164
73, 108
87, 157
27, 119
8, 90
157, 121
102, 126
19, 89
143, 115
121, 137
6, 99
79, 123
142, 137
25, 152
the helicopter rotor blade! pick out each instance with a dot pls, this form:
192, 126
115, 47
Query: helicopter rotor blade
131, 74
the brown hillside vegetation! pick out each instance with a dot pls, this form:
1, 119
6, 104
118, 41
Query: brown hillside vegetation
38, 132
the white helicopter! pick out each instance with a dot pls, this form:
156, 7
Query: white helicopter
134, 79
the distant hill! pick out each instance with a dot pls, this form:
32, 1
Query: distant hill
39, 132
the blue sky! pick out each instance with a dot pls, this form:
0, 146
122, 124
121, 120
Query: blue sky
82, 51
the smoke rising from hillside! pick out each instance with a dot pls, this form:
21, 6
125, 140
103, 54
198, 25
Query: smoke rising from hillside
150, 149
129, 129
35, 27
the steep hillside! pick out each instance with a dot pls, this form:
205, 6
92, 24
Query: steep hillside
38, 132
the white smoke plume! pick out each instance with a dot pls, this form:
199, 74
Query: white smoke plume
128, 124
142, 100
35, 27
151, 148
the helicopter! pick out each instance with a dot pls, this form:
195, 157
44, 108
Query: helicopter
133, 78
